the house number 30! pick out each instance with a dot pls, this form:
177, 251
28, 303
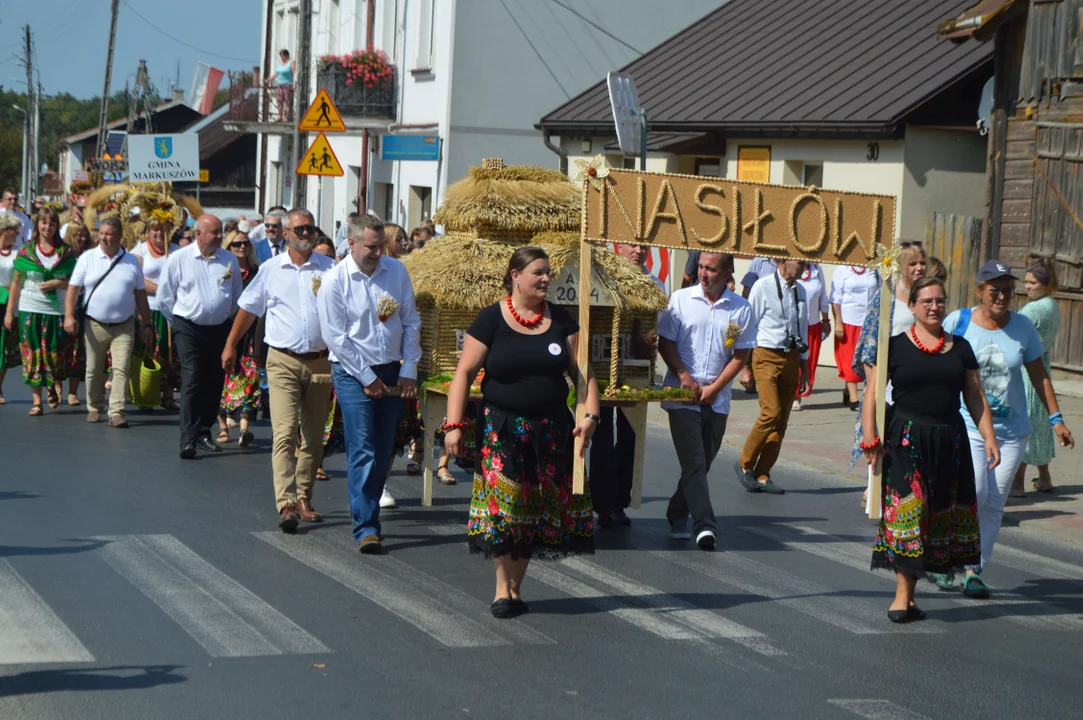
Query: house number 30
874, 152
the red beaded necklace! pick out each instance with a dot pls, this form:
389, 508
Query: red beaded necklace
5, 253
519, 318
154, 251
858, 270
43, 253
932, 351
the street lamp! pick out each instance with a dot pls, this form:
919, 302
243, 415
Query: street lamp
26, 179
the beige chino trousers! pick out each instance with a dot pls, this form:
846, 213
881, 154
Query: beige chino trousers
100, 339
298, 388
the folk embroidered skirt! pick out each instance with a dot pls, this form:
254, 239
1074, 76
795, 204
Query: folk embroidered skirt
45, 348
929, 519
522, 504
10, 356
241, 393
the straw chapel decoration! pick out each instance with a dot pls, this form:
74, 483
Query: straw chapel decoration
487, 216
136, 204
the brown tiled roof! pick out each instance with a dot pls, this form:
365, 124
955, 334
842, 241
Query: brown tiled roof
791, 66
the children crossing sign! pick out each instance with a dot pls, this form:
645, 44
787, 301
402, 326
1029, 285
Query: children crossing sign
320, 160
322, 116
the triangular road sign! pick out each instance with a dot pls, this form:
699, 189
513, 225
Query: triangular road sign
320, 159
322, 116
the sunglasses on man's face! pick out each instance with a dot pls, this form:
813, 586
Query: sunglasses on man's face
304, 230
997, 293
272, 226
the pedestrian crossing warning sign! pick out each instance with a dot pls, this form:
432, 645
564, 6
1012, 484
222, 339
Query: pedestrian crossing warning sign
322, 116
320, 159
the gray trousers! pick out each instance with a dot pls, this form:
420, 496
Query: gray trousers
697, 436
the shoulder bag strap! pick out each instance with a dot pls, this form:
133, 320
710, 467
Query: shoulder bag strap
964, 321
86, 305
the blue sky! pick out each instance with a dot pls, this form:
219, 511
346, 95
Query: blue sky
71, 39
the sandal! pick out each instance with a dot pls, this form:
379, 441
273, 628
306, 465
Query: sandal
2, 400
36, 411
245, 439
444, 475
170, 405
223, 437
321, 475
413, 468
1038, 488
73, 400
54, 398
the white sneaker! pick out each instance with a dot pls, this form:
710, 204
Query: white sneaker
705, 540
386, 501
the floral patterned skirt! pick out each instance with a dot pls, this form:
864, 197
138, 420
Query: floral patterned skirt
522, 502
45, 348
242, 394
929, 521
10, 356
160, 350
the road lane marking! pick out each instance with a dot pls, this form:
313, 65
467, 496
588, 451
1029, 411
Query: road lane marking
441, 611
816, 601
877, 709
30, 632
1019, 609
220, 614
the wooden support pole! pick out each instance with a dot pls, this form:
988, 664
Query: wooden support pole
883, 338
579, 469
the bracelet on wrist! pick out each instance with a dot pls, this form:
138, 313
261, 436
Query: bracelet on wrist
870, 446
454, 426
591, 416
1056, 419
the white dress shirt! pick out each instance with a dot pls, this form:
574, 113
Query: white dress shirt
852, 291
776, 319
816, 291
354, 334
286, 293
114, 301
202, 290
698, 328
152, 267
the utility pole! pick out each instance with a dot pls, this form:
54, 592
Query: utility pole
36, 167
300, 104
30, 183
103, 118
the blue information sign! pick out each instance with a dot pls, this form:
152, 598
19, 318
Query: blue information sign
410, 147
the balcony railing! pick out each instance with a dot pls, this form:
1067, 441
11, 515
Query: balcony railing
252, 101
355, 99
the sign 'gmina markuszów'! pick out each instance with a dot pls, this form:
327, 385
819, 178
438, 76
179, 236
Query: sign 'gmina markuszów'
163, 158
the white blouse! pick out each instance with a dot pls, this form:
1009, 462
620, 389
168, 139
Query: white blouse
816, 291
852, 290
152, 267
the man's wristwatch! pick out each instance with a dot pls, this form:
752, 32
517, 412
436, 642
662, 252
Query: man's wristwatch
596, 418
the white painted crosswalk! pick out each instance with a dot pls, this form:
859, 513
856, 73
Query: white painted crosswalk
30, 632
227, 620
220, 614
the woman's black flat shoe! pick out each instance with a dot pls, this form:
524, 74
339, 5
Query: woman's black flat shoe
899, 616
915, 613
503, 608
521, 608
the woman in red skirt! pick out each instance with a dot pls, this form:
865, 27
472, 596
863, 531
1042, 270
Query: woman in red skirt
852, 290
819, 322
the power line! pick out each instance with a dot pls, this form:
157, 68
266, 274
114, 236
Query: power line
535, 49
182, 42
593, 24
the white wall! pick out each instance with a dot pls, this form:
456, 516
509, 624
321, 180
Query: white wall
944, 172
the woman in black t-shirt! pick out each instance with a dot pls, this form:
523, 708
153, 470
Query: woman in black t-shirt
522, 505
929, 519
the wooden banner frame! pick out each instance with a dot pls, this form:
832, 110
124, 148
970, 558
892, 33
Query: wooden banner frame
737, 217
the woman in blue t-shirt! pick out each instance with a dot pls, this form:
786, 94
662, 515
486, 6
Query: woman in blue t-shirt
1004, 343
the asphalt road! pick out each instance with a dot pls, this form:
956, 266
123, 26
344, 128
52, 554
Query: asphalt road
135, 585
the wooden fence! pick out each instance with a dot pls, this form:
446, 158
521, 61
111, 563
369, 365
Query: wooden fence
956, 241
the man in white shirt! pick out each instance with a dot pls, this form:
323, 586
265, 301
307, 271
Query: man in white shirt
611, 454
370, 323
9, 203
704, 337
298, 371
113, 279
780, 366
198, 293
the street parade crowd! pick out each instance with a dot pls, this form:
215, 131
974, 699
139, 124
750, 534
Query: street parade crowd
323, 336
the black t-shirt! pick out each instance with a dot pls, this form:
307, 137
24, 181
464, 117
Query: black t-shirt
524, 374
925, 384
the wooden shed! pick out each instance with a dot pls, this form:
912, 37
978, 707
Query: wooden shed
1035, 166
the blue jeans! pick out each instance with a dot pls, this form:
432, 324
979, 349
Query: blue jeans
369, 428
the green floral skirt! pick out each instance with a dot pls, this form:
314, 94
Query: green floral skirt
45, 348
9, 344
522, 504
241, 393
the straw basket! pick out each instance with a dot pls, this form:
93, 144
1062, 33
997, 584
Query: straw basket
145, 381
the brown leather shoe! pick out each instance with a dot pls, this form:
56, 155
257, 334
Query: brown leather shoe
93, 416
304, 509
118, 421
287, 520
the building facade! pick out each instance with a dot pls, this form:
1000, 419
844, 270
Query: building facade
471, 76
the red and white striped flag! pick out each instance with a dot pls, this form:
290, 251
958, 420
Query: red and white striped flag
204, 88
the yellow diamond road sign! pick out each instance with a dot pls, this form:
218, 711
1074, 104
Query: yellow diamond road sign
322, 116
320, 159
